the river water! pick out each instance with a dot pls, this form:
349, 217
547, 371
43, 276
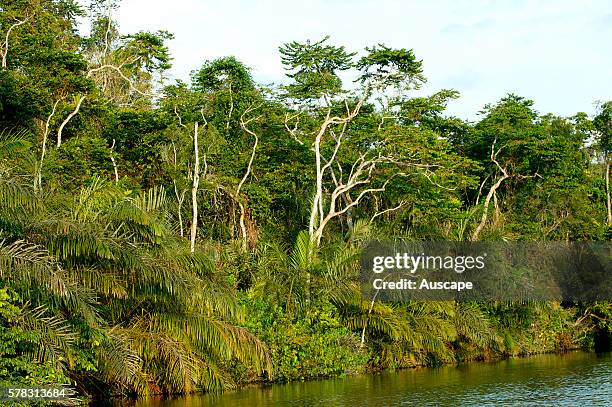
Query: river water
572, 379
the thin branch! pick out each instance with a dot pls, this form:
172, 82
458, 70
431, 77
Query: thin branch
179, 117
492, 191
480, 189
244, 124
293, 131
118, 70
382, 121
108, 28
380, 213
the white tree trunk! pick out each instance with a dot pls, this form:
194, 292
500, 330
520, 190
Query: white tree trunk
70, 116
608, 201
492, 193
112, 158
38, 179
194, 188
5, 46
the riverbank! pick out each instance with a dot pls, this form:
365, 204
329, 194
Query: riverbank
318, 346
571, 378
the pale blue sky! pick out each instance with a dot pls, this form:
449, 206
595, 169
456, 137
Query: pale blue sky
558, 53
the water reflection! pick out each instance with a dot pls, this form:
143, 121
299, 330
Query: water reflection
576, 378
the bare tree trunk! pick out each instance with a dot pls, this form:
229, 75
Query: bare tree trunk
180, 197
38, 179
497, 213
349, 214
315, 210
112, 158
365, 323
244, 124
194, 188
243, 228
318, 215
483, 219
609, 202
65, 122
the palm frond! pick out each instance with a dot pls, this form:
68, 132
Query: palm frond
54, 336
30, 265
121, 365
13, 141
301, 257
473, 324
15, 194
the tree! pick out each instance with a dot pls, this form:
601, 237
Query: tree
603, 125
373, 165
535, 166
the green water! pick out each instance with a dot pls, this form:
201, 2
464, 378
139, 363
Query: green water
573, 379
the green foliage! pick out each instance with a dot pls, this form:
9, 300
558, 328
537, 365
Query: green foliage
603, 124
99, 286
388, 67
316, 345
314, 67
22, 361
223, 72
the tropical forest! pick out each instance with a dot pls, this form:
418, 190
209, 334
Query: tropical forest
166, 237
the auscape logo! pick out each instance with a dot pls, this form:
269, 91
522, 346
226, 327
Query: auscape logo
407, 284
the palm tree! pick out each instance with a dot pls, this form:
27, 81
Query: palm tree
158, 318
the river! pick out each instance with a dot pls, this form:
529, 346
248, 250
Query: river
571, 379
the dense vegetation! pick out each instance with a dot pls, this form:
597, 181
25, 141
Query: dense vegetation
171, 238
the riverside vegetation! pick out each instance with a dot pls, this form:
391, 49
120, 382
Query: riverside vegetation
162, 238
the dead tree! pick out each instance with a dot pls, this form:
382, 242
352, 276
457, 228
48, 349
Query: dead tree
347, 190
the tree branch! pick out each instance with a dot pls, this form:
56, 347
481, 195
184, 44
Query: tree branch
46, 130
380, 213
118, 70
492, 191
68, 118
5, 46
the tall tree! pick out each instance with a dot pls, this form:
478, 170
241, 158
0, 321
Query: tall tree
603, 125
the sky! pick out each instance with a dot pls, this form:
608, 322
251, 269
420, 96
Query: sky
558, 53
